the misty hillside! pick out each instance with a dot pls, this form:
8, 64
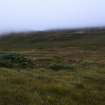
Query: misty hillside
83, 38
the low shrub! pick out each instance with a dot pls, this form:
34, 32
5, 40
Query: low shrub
61, 66
14, 60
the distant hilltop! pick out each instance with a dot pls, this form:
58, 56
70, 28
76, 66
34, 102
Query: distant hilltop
80, 30
69, 30
84, 38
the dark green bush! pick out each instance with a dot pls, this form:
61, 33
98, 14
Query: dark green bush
14, 60
61, 66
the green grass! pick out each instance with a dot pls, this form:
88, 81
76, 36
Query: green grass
47, 87
68, 69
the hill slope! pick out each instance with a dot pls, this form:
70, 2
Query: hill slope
53, 39
64, 67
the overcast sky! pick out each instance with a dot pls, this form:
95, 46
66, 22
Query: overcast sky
48, 14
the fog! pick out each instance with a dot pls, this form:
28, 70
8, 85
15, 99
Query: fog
27, 15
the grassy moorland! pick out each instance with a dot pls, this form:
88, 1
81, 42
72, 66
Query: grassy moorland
52, 68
